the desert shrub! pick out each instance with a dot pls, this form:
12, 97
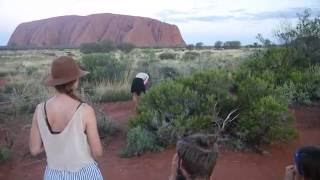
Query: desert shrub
266, 120
311, 79
5, 154
169, 108
232, 44
106, 126
139, 141
107, 46
12, 85
214, 84
25, 95
103, 67
190, 55
4, 73
31, 69
252, 89
174, 108
283, 66
167, 55
288, 92
168, 73
110, 92
98, 47
87, 48
126, 47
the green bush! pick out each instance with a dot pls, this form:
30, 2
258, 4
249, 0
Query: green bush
106, 126
190, 55
107, 46
109, 91
170, 108
22, 95
139, 141
103, 67
266, 120
185, 105
98, 47
217, 83
126, 47
88, 48
167, 55
287, 93
168, 73
250, 90
5, 154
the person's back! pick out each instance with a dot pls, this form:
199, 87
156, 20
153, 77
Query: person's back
61, 126
66, 128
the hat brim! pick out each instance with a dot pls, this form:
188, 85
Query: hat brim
50, 81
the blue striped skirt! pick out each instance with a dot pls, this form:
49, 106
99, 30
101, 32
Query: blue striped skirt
90, 172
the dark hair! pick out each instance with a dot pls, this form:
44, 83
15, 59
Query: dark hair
67, 89
198, 154
308, 162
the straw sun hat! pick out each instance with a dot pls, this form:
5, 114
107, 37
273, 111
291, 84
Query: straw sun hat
63, 70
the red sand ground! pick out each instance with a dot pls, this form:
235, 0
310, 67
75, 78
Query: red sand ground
156, 166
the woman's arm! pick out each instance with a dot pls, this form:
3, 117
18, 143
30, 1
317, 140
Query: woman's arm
35, 142
92, 131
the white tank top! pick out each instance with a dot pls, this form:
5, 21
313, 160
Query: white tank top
69, 150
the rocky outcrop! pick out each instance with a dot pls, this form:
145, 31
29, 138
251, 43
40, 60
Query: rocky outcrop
72, 31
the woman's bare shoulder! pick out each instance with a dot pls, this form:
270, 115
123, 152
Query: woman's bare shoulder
88, 110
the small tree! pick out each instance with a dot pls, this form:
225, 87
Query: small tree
218, 44
190, 47
264, 42
232, 44
199, 45
126, 47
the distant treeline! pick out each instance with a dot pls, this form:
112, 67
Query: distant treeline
105, 46
233, 44
14, 46
108, 46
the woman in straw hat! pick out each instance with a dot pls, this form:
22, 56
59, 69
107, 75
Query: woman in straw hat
195, 159
66, 128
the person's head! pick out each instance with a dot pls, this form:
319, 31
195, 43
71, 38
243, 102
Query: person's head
307, 161
64, 76
197, 155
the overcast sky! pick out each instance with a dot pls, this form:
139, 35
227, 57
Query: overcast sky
198, 20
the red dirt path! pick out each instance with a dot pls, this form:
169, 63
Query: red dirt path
156, 166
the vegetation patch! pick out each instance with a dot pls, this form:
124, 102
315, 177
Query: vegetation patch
139, 141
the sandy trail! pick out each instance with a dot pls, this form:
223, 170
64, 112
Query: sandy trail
156, 166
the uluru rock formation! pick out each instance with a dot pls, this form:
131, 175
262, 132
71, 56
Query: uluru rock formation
72, 31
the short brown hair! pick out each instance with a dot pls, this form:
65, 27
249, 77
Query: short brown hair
198, 154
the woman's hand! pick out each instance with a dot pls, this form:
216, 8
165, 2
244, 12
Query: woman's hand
291, 173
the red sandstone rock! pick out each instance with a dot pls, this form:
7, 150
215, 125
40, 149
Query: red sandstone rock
72, 31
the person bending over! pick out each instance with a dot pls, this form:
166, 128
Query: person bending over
138, 86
